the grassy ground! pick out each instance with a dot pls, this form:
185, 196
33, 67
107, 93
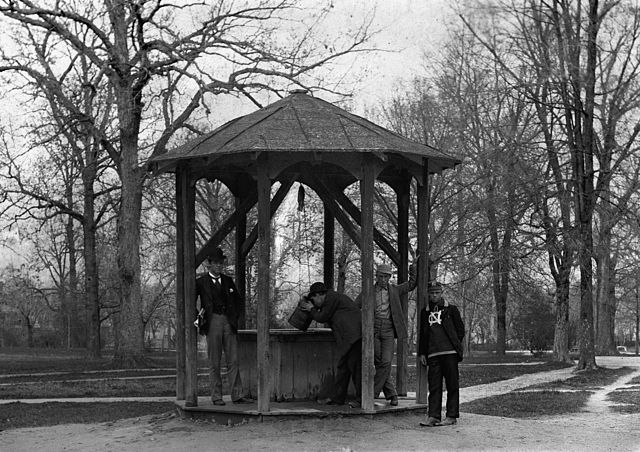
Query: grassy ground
102, 382
635, 381
476, 373
528, 404
627, 401
472, 375
19, 415
548, 400
112, 387
586, 380
26, 360
36, 380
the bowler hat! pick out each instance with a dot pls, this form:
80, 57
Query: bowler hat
384, 269
217, 255
316, 288
434, 285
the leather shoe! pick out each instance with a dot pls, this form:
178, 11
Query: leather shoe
449, 421
243, 400
393, 401
219, 402
431, 422
355, 404
329, 401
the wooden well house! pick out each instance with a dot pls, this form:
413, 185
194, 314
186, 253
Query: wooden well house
306, 139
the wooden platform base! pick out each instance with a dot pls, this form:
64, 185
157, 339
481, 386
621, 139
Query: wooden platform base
248, 412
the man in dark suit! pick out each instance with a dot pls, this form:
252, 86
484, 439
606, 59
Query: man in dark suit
440, 348
221, 303
343, 316
389, 323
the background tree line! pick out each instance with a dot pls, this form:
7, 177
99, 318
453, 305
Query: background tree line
539, 100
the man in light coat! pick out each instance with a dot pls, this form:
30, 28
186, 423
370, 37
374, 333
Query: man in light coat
389, 323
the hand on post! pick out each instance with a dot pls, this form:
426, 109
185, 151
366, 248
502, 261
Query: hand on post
413, 267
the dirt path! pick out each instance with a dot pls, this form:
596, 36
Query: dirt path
596, 430
598, 402
502, 387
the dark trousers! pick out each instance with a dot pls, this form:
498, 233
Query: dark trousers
439, 367
349, 367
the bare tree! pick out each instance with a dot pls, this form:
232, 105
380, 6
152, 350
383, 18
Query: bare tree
19, 293
69, 106
618, 91
570, 44
163, 64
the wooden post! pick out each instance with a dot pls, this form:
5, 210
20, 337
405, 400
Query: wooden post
423, 273
189, 270
264, 258
241, 266
366, 252
329, 247
180, 323
403, 272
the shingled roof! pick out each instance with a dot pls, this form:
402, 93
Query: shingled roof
300, 123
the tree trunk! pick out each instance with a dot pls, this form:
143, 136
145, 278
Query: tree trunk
500, 275
606, 304
74, 336
561, 334
501, 319
130, 351
128, 92
637, 322
584, 144
606, 268
585, 326
29, 333
92, 301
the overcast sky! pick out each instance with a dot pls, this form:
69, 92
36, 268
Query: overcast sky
409, 28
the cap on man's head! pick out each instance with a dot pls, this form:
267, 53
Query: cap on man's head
434, 286
384, 269
317, 288
216, 256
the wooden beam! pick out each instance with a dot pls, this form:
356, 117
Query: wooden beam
241, 265
423, 273
368, 299
189, 269
281, 194
264, 259
403, 196
180, 308
335, 209
354, 212
329, 248
231, 222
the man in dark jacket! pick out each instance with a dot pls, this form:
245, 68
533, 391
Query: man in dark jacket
221, 303
440, 348
389, 323
343, 316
